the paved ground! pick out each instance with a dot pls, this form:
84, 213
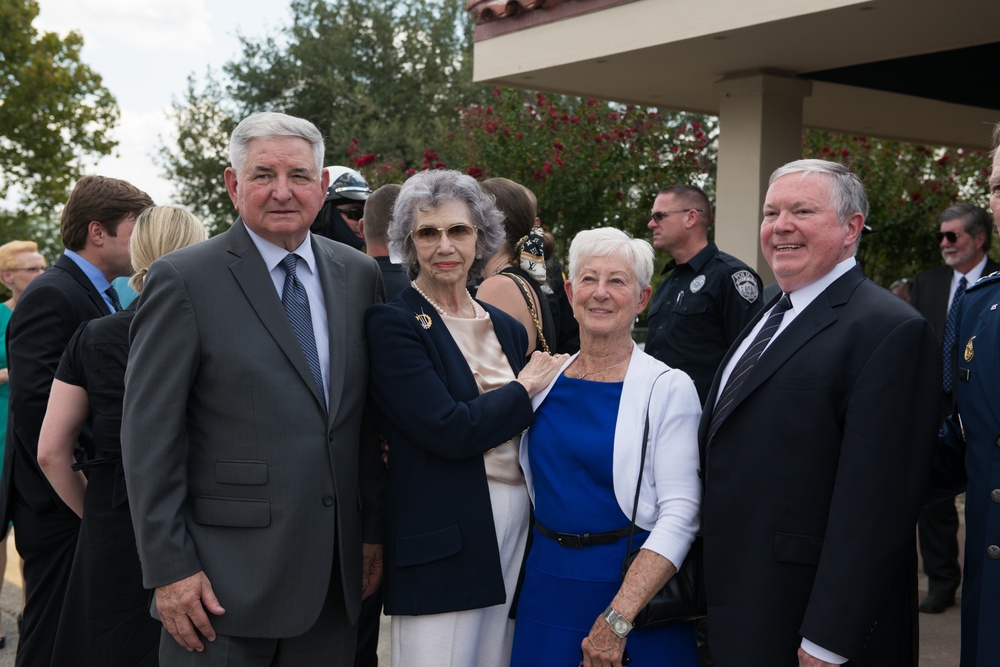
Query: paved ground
939, 634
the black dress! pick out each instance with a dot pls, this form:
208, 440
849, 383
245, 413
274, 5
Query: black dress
105, 618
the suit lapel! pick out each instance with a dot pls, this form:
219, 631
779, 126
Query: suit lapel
333, 279
820, 314
70, 267
251, 273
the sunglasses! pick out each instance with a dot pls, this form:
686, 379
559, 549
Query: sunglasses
951, 236
660, 216
427, 236
354, 212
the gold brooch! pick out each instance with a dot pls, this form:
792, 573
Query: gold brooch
424, 319
969, 352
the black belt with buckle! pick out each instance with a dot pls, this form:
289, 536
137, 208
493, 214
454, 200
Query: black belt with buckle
571, 541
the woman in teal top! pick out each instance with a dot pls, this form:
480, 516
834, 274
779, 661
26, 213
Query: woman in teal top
20, 263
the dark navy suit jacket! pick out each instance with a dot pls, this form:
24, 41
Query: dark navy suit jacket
441, 552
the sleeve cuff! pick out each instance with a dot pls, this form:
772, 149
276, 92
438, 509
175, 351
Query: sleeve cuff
821, 653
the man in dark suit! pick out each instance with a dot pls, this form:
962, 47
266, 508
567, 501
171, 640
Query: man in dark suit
96, 227
253, 478
964, 237
817, 435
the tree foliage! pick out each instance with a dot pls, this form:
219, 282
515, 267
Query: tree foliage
389, 84
55, 116
204, 121
590, 163
387, 71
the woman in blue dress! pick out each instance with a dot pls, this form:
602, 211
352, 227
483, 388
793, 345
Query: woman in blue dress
581, 463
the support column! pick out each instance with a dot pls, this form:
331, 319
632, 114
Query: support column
760, 129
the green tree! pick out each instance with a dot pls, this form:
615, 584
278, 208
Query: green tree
388, 72
204, 121
55, 117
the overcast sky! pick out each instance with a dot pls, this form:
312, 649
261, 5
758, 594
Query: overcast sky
144, 50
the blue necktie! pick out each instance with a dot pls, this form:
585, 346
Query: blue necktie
116, 303
296, 303
742, 369
950, 335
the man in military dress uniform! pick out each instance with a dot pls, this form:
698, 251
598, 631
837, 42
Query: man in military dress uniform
977, 418
708, 297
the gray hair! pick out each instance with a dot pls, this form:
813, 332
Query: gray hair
975, 220
271, 124
427, 190
637, 254
847, 191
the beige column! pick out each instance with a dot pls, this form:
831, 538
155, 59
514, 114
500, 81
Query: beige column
760, 129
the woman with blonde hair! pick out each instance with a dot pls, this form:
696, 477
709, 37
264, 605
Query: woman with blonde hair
20, 263
105, 618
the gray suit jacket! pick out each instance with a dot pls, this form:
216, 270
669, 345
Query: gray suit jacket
233, 464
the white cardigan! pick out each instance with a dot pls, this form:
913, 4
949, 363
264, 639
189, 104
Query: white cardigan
671, 490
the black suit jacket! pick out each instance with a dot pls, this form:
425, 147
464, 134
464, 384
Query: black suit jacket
441, 551
814, 481
46, 317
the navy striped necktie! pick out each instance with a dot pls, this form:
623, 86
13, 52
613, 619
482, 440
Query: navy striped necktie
296, 303
950, 336
742, 368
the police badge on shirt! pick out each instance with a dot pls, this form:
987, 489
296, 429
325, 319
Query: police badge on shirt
746, 285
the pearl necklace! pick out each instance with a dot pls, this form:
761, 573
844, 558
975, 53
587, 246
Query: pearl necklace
475, 306
608, 368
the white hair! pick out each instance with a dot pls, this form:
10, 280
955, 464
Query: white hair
637, 254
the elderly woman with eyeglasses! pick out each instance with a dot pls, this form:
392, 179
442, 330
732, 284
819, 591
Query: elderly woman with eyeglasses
453, 392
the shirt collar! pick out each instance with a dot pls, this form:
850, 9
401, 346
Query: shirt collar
94, 274
972, 276
273, 254
697, 262
803, 296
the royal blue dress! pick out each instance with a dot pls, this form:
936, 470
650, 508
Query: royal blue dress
565, 589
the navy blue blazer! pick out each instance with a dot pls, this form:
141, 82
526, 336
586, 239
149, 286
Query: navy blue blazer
441, 552
978, 368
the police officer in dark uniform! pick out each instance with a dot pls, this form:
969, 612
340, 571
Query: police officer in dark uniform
707, 297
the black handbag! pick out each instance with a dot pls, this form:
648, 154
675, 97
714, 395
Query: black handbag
682, 598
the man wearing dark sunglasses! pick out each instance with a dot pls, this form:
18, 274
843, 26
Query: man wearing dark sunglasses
964, 237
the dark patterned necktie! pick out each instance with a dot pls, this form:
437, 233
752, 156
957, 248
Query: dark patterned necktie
116, 303
296, 303
950, 334
742, 368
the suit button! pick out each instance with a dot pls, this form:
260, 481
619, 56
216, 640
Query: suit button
995, 496
993, 551
328, 501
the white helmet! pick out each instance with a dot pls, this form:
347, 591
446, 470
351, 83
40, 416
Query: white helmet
346, 184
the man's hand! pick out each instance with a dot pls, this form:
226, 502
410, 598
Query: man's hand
806, 660
182, 607
371, 568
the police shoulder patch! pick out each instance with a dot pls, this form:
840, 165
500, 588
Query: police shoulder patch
746, 285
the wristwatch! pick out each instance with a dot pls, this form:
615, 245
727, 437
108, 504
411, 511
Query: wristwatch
619, 624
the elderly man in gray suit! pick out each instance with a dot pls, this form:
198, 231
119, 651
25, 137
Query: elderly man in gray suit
254, 479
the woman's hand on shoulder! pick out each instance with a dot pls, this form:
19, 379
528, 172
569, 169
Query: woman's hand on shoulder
540, 370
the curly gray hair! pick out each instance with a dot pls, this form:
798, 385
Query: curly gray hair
427, 190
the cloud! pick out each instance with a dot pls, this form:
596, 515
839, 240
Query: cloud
177, 25
138, 137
